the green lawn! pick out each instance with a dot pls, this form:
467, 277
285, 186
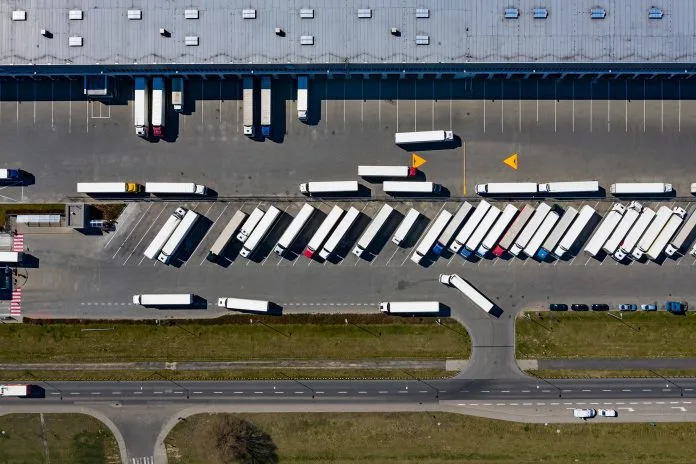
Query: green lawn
63, 439
445, 438
606, 374
599, 335
288, 337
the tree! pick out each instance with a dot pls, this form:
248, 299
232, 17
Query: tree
232, 439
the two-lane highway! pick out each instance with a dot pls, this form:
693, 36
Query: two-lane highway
362, 390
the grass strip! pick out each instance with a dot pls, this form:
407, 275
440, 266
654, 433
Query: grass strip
234, 338
610, 373
70, 438
601, 335
435, 438
243, 374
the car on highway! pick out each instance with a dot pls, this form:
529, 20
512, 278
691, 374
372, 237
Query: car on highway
608, 413
584, 414
579, 307
558, 307
649, 307
600, 307
628, 307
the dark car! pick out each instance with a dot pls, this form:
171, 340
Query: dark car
558, 307
579, 307
600, 307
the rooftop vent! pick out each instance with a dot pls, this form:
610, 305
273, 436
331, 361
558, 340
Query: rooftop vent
598, 13
135, 14
655, 13
19, 15
249, 14
422, 13
307, 13
512, 13
422, 40
191, 14
307, 40
364, 13
75, 41
191, 40
75, 15
540, 13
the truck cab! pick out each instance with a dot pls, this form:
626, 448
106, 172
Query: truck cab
10, 174
676, 307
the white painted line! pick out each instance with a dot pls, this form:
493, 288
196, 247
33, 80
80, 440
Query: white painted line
202, 238
132, 230
213, 224
143, 237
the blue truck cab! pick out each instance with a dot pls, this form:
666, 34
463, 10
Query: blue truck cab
542, 254
676, 307
464, 252
437, 249
9, 174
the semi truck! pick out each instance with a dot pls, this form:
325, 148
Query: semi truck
404, 138
636, 232
249, 225
409, 307
478, 298
339, 232
260, 231
684, 236
570, 239
241, 304
159, 107
640, 188
18, 391
506, 188
481, 231
372, 230
452, 228
344, 186
396, 187
141, 110
155, 247
428, 240
386, 171
248, 99
658, 223
590, 186
177, 238
178, 94
266, 106
513, 231
666, 234
629, 218
13, 257
323, 231
161, 299
556, 234
469, 226
601, 235
183, 188
294, 229
302, 97
497, 230
530, 229
108, 187
405, 227
225, 236
540, 235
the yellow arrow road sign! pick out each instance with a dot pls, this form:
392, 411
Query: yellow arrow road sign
417, 161
511, 161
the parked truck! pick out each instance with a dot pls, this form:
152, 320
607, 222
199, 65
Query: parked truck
178, 94
676, 307
403, 138
15, 390
302, 97
141, 111
158, 106
10, 174
266, 106
248, 98
175, 188
108, 187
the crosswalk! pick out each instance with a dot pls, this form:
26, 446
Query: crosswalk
16, 303
18, 243
143, 460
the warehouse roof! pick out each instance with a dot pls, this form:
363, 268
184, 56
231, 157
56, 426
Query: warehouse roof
89, 32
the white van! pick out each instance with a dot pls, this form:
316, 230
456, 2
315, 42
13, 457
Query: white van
405, 227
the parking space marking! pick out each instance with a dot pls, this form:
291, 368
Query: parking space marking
200, 242
132, 230
143, 237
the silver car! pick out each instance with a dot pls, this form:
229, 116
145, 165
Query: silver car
608, 413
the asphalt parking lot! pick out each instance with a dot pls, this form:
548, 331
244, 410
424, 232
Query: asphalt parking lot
609, 130
96, 276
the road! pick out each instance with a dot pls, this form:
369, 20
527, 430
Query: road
141, 413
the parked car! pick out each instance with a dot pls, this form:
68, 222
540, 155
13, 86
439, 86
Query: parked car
649, 307
579, 307
600, 307
584, 414
558, 307
628, 307
608, 413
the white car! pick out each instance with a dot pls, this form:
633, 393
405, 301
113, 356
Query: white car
608, 413
584, 413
